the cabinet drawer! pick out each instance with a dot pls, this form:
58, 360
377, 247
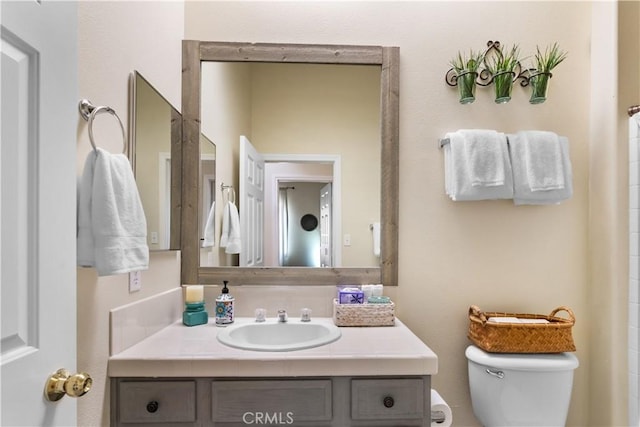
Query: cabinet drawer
157, 401
387, 399
271, 402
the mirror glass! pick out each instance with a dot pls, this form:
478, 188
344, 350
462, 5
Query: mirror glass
152, 136
236, 135
207, 199
300, 111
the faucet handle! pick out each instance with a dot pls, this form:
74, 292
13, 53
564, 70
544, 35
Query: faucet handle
305, 315
282, 316
261, 315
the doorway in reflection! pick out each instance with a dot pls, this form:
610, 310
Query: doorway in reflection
299, 212
304, 224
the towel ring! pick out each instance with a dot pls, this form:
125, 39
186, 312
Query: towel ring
231, 195
89, 113
230, 191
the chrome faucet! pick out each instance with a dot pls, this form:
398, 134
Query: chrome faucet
282, 316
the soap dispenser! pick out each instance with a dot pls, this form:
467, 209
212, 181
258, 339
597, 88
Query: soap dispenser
224, 306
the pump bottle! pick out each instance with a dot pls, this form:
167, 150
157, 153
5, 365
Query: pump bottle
224, 306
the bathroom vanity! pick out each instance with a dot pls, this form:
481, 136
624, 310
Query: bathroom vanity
371, 376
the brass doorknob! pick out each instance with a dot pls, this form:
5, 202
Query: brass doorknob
62, 382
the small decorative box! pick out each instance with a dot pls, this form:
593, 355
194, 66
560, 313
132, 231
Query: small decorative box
350, 296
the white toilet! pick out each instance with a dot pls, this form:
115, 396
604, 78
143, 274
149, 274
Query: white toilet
520, 389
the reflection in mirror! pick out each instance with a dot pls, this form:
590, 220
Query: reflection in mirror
298, 190
207, 200
289, 110
197, 53
154, 138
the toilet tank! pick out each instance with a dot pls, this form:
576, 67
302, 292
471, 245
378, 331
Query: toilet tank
520, 389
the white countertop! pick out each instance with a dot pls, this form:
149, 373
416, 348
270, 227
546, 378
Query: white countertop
181, 351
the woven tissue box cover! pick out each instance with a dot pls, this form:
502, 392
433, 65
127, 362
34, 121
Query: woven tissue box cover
552, 337
363, 314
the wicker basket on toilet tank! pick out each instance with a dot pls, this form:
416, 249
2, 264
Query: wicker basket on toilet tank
552, 337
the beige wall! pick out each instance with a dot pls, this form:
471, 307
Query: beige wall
452, 255
607, 293
115, 38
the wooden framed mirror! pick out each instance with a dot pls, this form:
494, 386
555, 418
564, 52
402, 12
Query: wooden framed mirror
387, 58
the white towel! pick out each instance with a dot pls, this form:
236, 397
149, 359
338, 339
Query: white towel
516, 320
543, 160
523, 194
375, 228
209, 229
230, 237
112, 228
458, 183
84, 253
484, 150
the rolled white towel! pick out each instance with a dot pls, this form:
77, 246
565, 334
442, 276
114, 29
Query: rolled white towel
503, 319
507, 319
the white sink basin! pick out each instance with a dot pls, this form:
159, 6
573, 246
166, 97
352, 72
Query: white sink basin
272, 336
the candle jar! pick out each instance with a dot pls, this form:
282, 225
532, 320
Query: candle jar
195, 314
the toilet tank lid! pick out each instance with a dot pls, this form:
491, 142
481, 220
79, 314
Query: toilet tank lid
523, 362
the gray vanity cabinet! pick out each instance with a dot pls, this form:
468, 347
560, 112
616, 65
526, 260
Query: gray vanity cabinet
305, 402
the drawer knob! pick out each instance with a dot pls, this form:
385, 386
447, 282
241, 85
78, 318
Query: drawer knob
152, 406
388, 402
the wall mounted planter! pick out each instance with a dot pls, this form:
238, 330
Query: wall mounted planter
503, 69
467, 86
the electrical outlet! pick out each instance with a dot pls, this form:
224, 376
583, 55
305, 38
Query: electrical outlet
346, 240
154, 237
135, 281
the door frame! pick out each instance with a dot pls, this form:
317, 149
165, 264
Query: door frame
333, 159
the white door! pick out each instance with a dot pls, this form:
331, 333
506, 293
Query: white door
251, 205
37, 207
325, 226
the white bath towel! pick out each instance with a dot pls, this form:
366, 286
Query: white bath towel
543, 160
112, 228
484, 150
458, 183
230, 238
523, 194
209, 238
85, 256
